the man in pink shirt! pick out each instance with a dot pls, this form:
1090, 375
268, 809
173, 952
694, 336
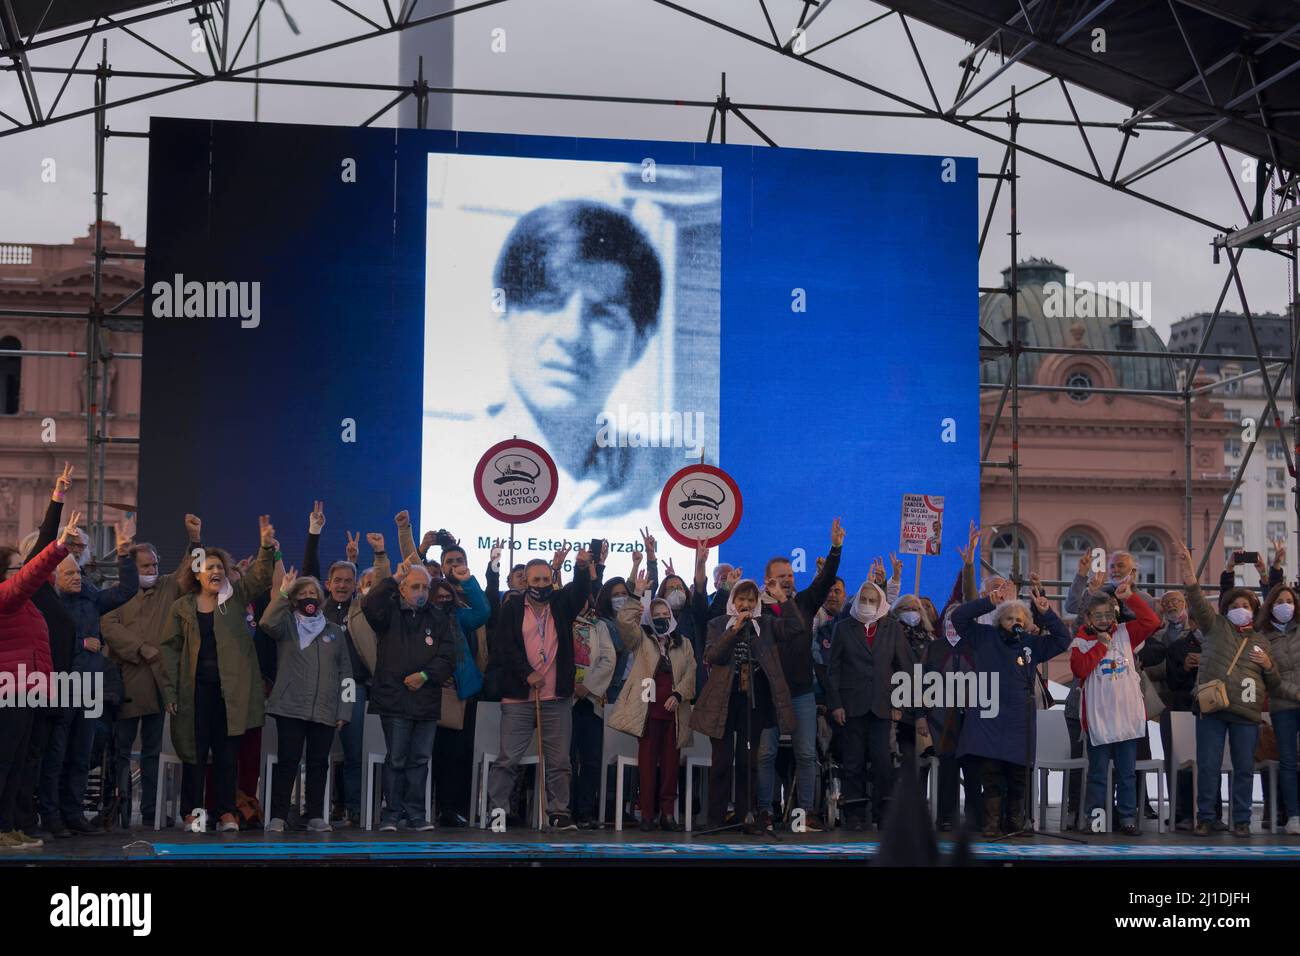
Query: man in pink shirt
531, 666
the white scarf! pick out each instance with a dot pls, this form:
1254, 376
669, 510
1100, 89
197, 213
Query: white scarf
309, 627
647, 603
733, 615
859, 611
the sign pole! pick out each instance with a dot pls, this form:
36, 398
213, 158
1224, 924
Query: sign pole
917, 589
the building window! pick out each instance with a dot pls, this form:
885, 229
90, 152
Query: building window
11, 375
1232, 531
1236, 500
1073, 546
1000, 555
1275, 530
1079, 380
1150, 558
1276, 502
1275, 451
1232, 446
1232, 414
1276, 478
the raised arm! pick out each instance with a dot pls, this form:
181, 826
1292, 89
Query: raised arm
811, 598
257, 581
1201, 611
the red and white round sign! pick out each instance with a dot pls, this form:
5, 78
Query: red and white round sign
515, 481
700, 501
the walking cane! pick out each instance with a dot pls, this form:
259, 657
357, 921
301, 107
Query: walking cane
543, 821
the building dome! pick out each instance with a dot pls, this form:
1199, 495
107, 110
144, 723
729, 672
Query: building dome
1054, 315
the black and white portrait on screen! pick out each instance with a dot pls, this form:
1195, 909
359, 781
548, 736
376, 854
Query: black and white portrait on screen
576, 304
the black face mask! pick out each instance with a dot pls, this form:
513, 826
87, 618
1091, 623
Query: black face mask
306, 606
660, 625
542, 594
445, 605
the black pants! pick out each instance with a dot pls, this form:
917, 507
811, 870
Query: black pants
724, 750
25, 810
292, 733
866, 740
453, 765
952, 777
584, 757
210, 735
15, 732
1004, 782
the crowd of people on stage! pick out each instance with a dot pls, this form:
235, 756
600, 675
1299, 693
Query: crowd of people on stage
210, 650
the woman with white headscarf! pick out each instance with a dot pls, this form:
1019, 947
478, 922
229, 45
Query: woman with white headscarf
313, 673
663, 663
857, 696
744, 665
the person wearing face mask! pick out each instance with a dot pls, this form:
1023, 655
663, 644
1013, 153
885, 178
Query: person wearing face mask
134, 633
744, 667
212, 685
593, 657
461, 598
857, 695
415, 656
916, 634
1278, 622
1121, 567
535, 673
690, 607
309, 701
998, 737
1234, 653
664, 663
68, 753
1102, 658
613, 596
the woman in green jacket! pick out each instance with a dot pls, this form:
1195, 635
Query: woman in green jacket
212, 684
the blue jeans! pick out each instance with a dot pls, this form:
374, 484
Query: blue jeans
804, 740
1124, 754
406, 771
1211, 730
354, 760
151, 731
66, 767
1286, 724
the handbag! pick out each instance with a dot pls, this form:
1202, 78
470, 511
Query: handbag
1266, 747
1212, 696
469, 680
453, 710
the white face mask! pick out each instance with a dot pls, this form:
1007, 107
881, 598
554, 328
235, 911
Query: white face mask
1283, 612
618, 603
677, 600
1240, 616
148, 580
910, 618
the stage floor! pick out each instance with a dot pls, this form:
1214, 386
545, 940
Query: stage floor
150, 848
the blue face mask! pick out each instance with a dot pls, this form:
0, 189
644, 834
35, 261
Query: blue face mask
910, 618
420, 600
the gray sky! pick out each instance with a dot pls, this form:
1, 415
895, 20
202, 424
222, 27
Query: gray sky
639, 48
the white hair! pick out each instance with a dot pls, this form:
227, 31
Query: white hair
1006, 607
26, 543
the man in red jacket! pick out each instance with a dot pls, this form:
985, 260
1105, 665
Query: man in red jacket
24, 665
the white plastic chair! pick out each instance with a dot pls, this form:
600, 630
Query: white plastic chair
169, 768
487, 733
272, 757
1154, 765
620, 749
375, 749
698, 756
1052, 752
1181, 756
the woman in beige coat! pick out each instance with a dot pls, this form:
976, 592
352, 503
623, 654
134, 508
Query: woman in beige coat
655, 703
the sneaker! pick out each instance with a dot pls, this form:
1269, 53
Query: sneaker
342, 822
1130, 828
562, 821
82, 826
19, 840
275, 825
668, 824
765, 822
388, 826
1241, 829
1202, 828
1293, 826
1218, 826
229, 824
187, 822
419, 826
453, 821
321, 825
812, 823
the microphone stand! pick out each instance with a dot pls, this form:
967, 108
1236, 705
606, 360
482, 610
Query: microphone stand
745, 673
1026, 818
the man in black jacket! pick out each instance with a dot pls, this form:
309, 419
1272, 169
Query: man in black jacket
415, 655
797, 663
531, 668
